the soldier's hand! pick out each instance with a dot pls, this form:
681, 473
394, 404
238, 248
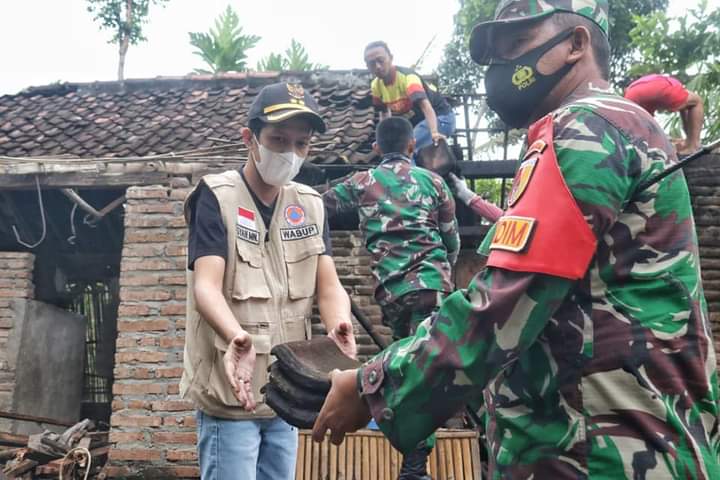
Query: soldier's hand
239, 361
462, 192
344, 411
344, 338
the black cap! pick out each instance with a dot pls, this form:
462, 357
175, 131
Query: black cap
280, 101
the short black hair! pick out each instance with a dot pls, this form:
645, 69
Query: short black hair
376, 44
393, 135
598, 40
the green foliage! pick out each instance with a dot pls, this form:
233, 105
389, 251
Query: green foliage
224, 48
490, 189
113, 16
295, 58
688, 48
623, 15
272, 63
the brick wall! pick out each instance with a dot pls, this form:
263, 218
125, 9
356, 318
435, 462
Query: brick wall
704, 183
16, 281
152, 428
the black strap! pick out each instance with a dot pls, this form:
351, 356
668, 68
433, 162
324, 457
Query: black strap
681, 164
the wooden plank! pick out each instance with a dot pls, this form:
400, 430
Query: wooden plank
70, 180
342, 459
388, 460
433, 462
381, 459
395, 464
315, 459
457, 459
351, 457
300, 464
449, 459
365, 456
467, 459
324, 458
308, 458
358, 459
442, 462
488, 168
33, 418
333, 461
477, 468
13, 440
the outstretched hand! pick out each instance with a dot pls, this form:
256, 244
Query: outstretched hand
239, 361
344, 338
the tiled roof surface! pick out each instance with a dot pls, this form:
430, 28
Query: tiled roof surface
163, 115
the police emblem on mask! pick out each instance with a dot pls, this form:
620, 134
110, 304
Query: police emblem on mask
296, 92
523, 77
524, 173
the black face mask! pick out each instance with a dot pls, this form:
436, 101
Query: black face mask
515, 87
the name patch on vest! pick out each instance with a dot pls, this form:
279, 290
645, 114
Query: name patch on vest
247, 234
512, 233
288, 234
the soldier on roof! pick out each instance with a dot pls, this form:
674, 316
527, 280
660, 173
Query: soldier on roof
587, 336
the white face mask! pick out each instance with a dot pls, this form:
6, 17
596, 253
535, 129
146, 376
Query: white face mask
277, 169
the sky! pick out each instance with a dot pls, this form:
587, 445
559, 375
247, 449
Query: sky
45, 41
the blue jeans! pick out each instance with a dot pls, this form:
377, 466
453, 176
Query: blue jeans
264, 449
446, 126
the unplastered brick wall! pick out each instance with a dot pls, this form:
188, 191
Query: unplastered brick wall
152, 428
704, 184
16, 282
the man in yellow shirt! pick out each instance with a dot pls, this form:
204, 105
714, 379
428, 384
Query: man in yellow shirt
401, 91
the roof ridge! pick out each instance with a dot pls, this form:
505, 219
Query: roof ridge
170, 81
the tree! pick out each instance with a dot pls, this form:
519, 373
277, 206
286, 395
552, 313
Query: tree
688, 48
295, 58
126, 19
224, 48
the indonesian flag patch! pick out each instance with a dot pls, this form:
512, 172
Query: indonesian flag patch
246, 218
246, 227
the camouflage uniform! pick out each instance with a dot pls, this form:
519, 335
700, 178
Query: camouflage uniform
610, 376
407, 215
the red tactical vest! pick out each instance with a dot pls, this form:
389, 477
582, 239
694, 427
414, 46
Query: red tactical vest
543, 229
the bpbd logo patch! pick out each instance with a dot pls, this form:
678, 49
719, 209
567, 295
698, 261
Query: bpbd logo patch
294, 215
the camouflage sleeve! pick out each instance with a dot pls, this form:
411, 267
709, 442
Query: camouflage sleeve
419, 382
344, 196
448, 222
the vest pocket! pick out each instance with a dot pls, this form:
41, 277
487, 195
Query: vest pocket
249, 281
301, 257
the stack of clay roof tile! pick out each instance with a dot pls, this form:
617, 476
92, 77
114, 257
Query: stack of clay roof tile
163, 115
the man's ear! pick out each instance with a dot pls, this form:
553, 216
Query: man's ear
247, 136
579, 44
411, 146
376, 149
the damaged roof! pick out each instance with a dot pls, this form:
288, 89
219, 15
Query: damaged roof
176, 114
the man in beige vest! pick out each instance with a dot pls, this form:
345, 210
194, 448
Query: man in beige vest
258, 253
